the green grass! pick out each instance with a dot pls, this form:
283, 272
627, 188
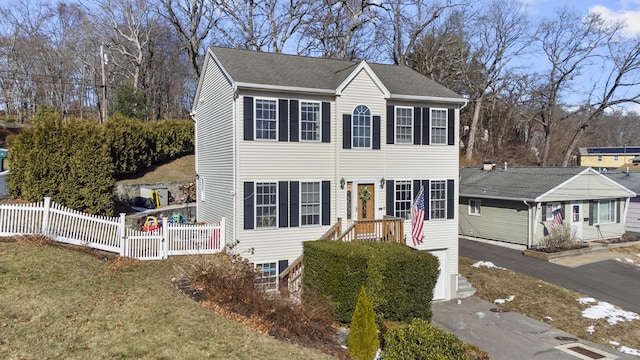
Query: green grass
62, 304
548, 303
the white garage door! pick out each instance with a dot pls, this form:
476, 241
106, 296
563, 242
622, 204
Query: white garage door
439, 292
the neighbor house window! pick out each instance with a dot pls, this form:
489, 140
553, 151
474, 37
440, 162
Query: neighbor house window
403, 199
266, 119
404, 125
309, 121
266, 205
439, 126
310, 203
604, 211
267, 276
474, 207
438, 199
361, 127
599, 157
615, 157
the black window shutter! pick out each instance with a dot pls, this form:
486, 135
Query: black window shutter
282, 266
390, 124
591, 208
618, 201
326, 122
426, 126
451, 128
283, 204
294, 206
346, 131
450, 193
326, 203
293, 121
417, 129
283, 112
544, 211
376, 132
562, 210
427, 199
248, 117
416, 188
248, 205
391, 189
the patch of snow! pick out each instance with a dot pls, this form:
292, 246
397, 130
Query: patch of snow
487, 264
591, 329
630, 260
510, 298
502, 301
480, 315
587, 300
548, 318
629, 351
604, 310
614, 343
378, 353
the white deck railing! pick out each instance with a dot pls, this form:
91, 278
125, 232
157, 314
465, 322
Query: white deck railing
109, 233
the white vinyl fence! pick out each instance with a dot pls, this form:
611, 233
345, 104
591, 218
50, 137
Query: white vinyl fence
109, 233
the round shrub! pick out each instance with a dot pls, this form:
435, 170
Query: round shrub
421, 340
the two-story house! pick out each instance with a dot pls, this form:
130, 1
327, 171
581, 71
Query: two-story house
607, 157
288, 146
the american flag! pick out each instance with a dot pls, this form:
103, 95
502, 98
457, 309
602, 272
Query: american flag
215, 236
417, 219
557, 218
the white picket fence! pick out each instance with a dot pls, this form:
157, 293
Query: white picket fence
110, 233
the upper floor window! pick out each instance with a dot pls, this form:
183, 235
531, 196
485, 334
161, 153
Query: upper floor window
266, 119
403, 199
438, 199
599, 157
439, 126
604, 211
361, 127
310, 203
474, 207
615, 158
310, 121
404, 125
266, 205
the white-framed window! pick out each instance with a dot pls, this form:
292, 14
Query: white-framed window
361, 130
266, 119
310, 121
439, 126
615, 158
404, 125
266, 204
310, 203
438, 197
267, 276
403, 199
599, 157
474, 207
604, 211
550, 208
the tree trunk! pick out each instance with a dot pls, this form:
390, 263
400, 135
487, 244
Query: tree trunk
473, 128
572, 145
547, 145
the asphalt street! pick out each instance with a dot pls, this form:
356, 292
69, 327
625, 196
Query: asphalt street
608, 280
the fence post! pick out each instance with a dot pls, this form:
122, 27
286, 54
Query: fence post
165, 238
223, 237
45, 216
122, 230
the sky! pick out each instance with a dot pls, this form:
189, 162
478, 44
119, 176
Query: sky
593, 309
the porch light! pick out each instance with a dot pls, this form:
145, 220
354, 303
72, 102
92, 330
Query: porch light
382, 183
342, 182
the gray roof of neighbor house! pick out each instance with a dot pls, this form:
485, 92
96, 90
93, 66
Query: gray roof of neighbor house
630, 180
516, 183
252, 67
612, 150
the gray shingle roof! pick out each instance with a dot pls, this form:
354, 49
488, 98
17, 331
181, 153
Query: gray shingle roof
514, 183
630, 180
254, 67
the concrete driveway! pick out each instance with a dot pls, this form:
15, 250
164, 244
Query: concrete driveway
606, 280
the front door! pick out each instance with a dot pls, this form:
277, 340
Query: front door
576, 219
366, 201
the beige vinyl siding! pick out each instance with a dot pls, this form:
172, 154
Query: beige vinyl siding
214, 129
499, 220
585, 187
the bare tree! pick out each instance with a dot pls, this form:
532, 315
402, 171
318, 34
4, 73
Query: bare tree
192, 20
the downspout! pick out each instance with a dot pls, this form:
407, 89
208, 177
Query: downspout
234, 190
195, 147
528, 223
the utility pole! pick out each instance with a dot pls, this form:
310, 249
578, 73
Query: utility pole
104, 86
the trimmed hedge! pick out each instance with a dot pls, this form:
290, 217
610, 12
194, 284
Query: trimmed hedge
399, 279
421, 340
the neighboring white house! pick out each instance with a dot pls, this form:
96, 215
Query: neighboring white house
288, 145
